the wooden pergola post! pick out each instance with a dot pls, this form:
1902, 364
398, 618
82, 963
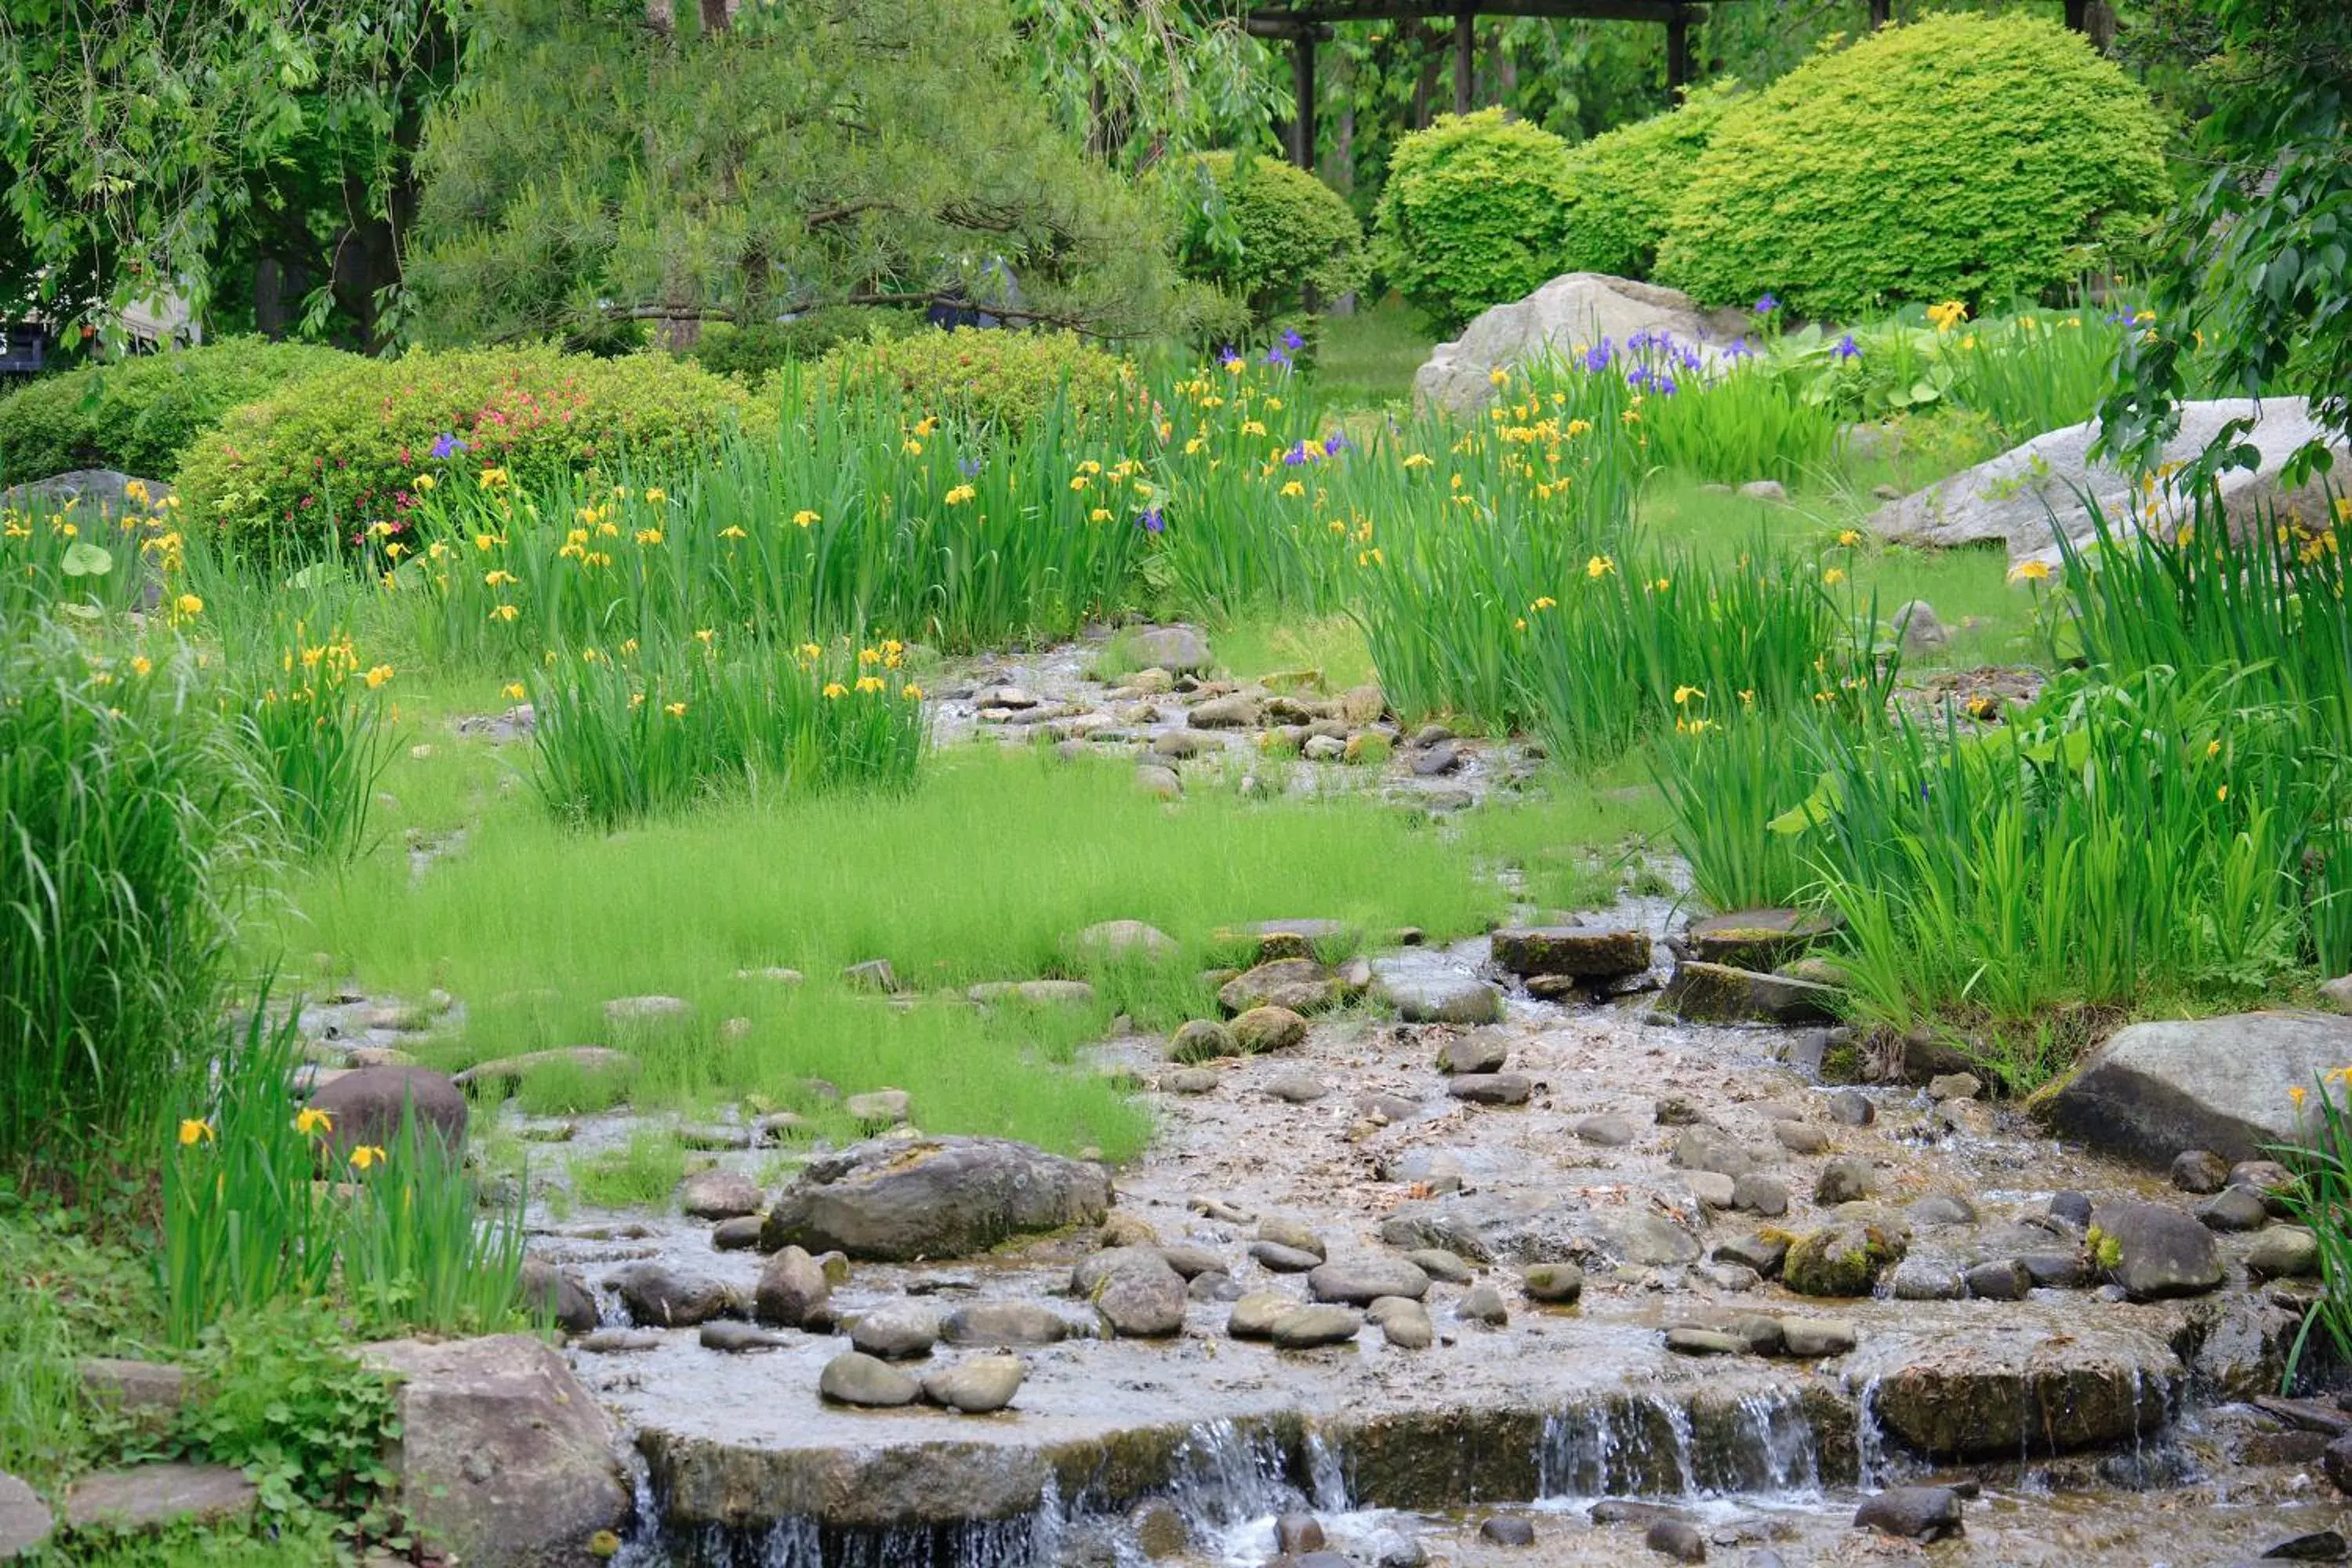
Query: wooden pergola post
1464, 42
1678, 60
1302, 99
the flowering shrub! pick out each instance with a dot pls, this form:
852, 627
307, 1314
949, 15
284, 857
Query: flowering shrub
310, 468
141, 414
1964, 157
1475, 213
1624, 184
1007, 379
1292, 234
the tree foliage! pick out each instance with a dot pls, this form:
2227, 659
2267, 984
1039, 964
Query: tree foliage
603, 163
153, 149
1965, 156
2255, 279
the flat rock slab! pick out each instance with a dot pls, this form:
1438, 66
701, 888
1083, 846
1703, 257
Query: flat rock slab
1586, 954
933, 1197
2154, 1089
1703, 993
2012, 498
2006, 1390
1427, 998
1758, 938
504, 1458
156, 1496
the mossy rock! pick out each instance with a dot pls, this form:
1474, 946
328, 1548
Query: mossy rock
1844, 1260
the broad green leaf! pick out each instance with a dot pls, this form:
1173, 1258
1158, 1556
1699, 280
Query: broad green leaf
84, 558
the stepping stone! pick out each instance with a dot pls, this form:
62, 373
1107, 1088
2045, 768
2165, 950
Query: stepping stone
1472, 1054
1585, 954
1491, 1088
26, 1523
852, 1378
1305, 1328
976, 1387
1441, 998
156, 1496
1758, 938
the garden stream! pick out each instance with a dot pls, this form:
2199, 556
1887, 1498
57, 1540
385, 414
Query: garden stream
2080, 1427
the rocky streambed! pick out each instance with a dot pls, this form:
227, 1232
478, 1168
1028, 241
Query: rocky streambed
1437, 1315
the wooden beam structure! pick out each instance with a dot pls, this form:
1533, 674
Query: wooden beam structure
1304, 23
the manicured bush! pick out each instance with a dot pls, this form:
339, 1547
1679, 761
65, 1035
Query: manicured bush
1290, 234
752, 354
1473, 214
321, 464
1968, 157
140, 416
981, 377
1625, 182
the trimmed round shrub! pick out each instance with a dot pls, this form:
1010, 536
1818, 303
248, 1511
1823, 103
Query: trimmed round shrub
981, 376
140, 416
752, 354
1473, 214
1968, 157
1625, 182
308, 468
1291, 234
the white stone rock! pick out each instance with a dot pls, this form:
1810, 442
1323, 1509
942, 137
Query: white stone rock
1569, 313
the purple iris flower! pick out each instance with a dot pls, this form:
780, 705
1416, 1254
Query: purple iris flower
1738, 348
970, 468
1688, 359
1638, 376
1665, 384
1151, 521
1276, 356
1847, 348
1292, 340
1597, 358
1296, 456
1766, 305
445, 446
1334, 444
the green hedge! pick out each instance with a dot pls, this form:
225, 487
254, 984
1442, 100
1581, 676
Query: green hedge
1473, 214
984, 376
1625, 182
1290, 232
752, 354
296, 474
141, 414
1968, 157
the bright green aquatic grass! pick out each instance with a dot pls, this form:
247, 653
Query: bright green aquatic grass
1576, 842
1369, 358
1990, 617
982, 873
1262, 645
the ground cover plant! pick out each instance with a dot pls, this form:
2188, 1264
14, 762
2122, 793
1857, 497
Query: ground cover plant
502, 922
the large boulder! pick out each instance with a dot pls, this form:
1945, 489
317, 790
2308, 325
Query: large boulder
1572, 312
2004, 1390
504, 1460
2155, 1089
2012, 499
367, 1105
95, 495
898, 1200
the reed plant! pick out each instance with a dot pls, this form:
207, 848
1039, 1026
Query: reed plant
656, 726
1726, 784
311, 712
75, 561
2320, 1199
2124, 842
265, 1203
126, 836
1718, 414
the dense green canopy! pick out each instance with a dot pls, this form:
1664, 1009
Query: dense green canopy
605, 162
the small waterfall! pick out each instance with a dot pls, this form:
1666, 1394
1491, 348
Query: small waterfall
1677, 1421
1227, 1475
643, 1548
1326, 1474
1869, 1438
1579, 1454
1781, 1452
